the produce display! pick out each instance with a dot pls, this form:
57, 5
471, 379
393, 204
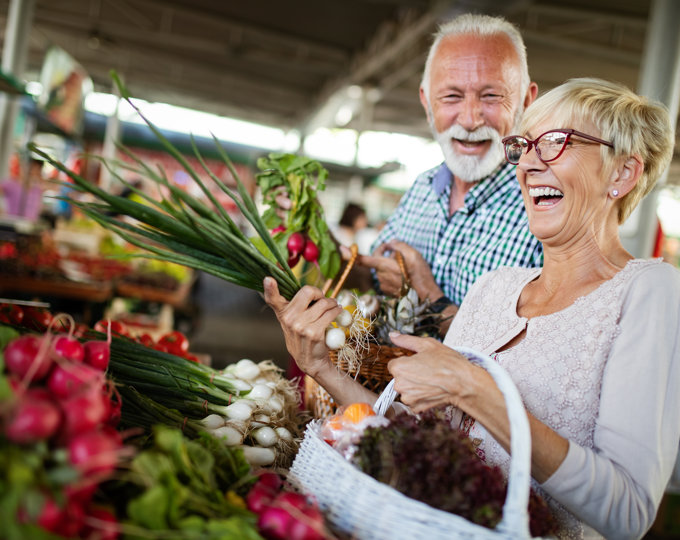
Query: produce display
86, 452
58, 414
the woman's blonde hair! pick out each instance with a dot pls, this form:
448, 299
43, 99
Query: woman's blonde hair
634, 124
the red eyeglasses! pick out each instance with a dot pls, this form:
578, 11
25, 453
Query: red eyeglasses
549, 146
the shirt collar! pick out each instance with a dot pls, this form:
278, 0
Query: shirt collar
481, 191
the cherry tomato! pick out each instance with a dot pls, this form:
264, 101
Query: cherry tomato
176, 342
37, 318
11, 314
117, 327
146, 339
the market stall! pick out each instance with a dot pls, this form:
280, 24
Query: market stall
124, 434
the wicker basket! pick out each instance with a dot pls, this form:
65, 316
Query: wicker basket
363, 508
372, 374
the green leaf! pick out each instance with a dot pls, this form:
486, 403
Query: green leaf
150, 508
7, 334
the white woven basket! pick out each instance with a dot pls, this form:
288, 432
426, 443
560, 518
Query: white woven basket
364, 508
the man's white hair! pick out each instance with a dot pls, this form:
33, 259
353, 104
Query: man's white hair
480, 25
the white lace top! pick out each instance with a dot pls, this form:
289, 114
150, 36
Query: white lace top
605, 374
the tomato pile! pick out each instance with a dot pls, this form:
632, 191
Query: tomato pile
58, 414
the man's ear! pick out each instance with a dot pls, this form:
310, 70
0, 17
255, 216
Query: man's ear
425, 104
532, 92
626, 175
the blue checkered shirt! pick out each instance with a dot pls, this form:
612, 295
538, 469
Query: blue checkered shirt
490, 230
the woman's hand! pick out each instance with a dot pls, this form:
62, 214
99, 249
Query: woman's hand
304, 321
437, 375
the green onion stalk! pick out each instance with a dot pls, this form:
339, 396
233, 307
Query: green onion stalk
245, 405
180, 228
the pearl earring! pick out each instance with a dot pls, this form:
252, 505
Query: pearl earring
615, 193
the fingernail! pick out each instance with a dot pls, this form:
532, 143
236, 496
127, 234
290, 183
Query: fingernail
394, 334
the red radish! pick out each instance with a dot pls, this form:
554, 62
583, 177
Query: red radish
271, 480
94, 451
274, 523
302, 530
72, 521
84, 411
50, 515
296, 243
34, 419
292, 261
278, 229
68, 348
22, 357
101, 524
65, 380
259, 497
97, 354
82, 492
310, 252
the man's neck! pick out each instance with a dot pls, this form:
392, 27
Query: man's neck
459, 189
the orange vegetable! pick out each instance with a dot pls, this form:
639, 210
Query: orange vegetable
356, 412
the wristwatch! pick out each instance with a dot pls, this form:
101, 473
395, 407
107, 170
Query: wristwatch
440, 304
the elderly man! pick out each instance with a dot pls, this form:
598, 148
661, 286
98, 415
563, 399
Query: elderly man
465, 216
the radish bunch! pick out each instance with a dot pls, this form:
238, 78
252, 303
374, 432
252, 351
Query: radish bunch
300, 245
62, 410
284, 514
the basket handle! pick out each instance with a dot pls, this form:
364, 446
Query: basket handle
515, 509
354, 254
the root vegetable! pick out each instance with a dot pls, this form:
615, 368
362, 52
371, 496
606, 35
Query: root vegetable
310, 251
260, 391
258, 457
295, 244
65, 380
23, 352
246, 369
344, 319
335, 338
68, 348
213, 421
97, 354
284, 434
274, 523
265, 436
228, 435
33, 420
94, 451
240, 410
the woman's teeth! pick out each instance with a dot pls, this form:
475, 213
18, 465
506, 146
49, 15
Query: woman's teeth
545, 196
545, 192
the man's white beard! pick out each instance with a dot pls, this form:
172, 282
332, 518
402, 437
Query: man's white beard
465, 167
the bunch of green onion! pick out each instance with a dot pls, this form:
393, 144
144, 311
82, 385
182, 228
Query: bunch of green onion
247, 405
181, 228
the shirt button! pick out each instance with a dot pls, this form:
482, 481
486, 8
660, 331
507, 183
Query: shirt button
441, 259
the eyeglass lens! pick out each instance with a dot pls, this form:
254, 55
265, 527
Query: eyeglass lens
548, 146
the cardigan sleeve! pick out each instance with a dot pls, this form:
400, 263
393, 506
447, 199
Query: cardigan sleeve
617, 486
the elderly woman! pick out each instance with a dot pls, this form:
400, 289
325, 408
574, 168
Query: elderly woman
590, 340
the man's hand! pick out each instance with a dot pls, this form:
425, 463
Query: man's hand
390, 275
283, 202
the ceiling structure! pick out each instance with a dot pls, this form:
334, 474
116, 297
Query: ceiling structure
294, 64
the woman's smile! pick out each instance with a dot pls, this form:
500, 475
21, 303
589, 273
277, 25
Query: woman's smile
544, 196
